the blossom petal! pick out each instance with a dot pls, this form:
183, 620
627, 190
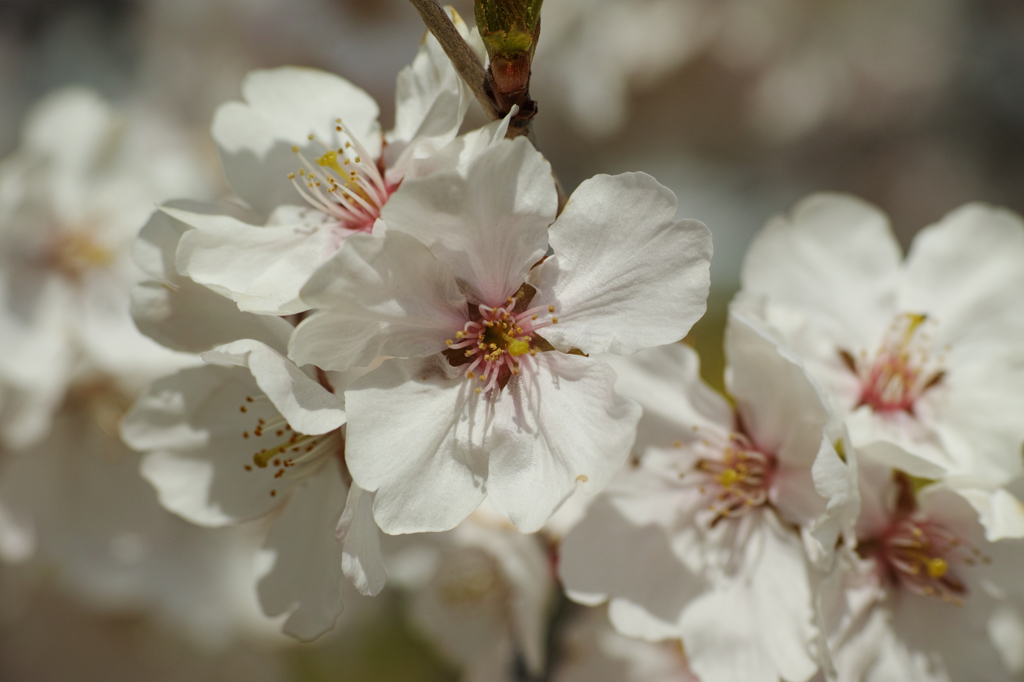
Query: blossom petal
177, 312
191, 426
666, 382
309, 407
758, 628
417, 439
561, 423
626, 274
305, 580
607, 554
488, 225
1001, 511
780, 407
430, 103
361, 559
379, 296
282, 108
261, 268
966, 271
835, 258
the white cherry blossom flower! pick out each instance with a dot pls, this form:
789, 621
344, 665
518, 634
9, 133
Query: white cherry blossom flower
305, 151
72, 198
712, 535
490, 395
921, 356
925, 597
483, 592
252, 435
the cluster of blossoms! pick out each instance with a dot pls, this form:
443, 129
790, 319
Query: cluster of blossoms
855, 512
406, 333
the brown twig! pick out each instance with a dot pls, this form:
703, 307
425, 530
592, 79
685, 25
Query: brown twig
473, 74
459, 52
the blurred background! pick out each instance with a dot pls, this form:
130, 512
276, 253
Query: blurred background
739, 106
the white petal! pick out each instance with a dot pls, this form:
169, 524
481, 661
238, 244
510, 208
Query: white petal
260, 268
780, 408
900, 441
361, 559
626, 274
430, 102
309, 407
459, 154
305, 581
180, 314
666, 382
282, 108
761, 629
378, 297
416, 438
560, 422
835, 258
191, 426
607, 555
966, 272
1001, 510
488, 225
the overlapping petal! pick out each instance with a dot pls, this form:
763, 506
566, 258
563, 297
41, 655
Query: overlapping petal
378, 296
488, 225
282, 108
261, 268
420, 440
305, 578
626, 275
561, 423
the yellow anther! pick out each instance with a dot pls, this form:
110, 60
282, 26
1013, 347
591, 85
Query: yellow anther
551, 308
728, 477
518, 347
554, 320
460, 335
448, 342
295, 149
330, 160
479, 390
310, 136
261, 459
291, 176
469, 375
937, 567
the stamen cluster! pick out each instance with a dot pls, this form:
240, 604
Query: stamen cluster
900, 373
344, 182
287, 448
919, 554
736, 480
494, 339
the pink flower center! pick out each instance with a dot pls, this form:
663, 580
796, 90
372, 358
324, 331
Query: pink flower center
735, 479
496, 340
344, 182
902, 369
919, 555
